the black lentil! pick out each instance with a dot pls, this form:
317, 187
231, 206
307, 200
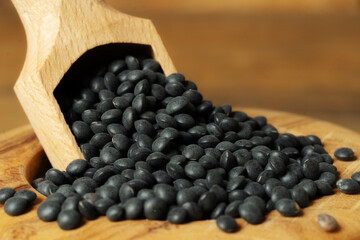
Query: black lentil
102, 205
327, 222
5, 194
155, 209
177, 215
109, 155
28, 195
15, 206
208, 201
87, 210
328, 177
186, 195
194, 211
347, 185
194, 170
77, 167
181, 184
69, 219
81, 130
227, 160
251, 213
300, 196
100, 139
323, 188
280, 192
220, 193
309, 186
356, 177
133, 208
287, 207
218, 210
270, 184
70, 203
289, 180
91, 197
311, 169
254, 188
232, 209
227, 224
213, 177
46, 187
115, 213
48, 210
344, 154
253, 169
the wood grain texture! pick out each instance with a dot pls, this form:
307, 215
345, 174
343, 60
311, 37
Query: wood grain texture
20, 152
58, 33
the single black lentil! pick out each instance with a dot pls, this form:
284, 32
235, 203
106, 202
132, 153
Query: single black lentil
344, 153
102, 205
69, 219
155, 209
227, 224
28, 195
87, 210
48, 210
348, 186
251, 213
287, 207
15, 206
115, 213
155, 149
232, 209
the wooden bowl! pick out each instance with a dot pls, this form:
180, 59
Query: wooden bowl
22, 158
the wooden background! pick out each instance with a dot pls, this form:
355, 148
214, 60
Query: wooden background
300, 56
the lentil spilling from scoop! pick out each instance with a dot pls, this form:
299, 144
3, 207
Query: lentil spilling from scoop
154, 148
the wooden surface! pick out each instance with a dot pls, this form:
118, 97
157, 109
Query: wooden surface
238, 52
21, 157
58, 33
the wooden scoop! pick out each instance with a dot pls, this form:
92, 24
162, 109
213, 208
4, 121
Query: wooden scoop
58, 33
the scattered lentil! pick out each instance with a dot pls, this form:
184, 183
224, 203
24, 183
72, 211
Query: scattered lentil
327, 222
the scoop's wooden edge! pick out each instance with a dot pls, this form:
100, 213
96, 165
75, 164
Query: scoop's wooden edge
58, 33
16, 156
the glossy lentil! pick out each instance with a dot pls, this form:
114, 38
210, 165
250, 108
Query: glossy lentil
227, 224
28, 195
344, 154
68, 219
287, 207
48, 210
251, 213
348, 186
15, 206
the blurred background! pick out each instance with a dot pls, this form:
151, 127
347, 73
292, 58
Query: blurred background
300, 56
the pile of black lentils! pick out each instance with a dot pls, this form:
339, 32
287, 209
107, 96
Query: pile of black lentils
155, 149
